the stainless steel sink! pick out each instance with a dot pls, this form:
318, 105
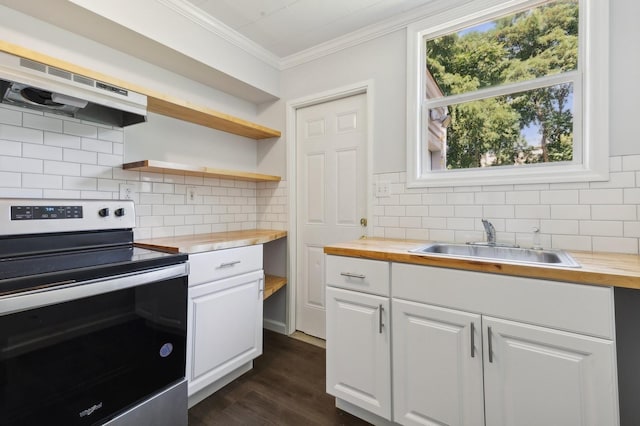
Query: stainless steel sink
500, 253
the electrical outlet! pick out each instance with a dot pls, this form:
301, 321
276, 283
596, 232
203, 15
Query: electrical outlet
383, 189
127, 191
192, 194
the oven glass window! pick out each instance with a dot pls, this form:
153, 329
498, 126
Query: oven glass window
85, 361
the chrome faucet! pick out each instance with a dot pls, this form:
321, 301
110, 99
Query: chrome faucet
491, 232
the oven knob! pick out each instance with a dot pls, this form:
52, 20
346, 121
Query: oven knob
120, 212
103, 212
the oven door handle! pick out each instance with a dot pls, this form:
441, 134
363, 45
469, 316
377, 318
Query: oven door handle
78, 290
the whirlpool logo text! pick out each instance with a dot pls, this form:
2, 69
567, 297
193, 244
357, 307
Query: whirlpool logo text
89, 411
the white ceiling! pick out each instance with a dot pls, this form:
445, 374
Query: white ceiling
287, 27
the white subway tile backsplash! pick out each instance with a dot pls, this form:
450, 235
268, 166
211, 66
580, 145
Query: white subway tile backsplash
18, 164
498, 211
483, 198
77, 156
63, 141
523, 225
438, 199
458, 223
601, 196
20, 134
20, 192
60, 193
460, 198
631, 162
631, 229
615, 245
417, 211
109, 159
601, 227
10, 148
40, 122
468, 211
441, 211
80, 183
10, 116
91, 170
570, 212
95, 145
617, 180
10, 179
62, 168
620, 212
80, 129
113, 135
522, 197
410, 222
557, 226
567, 196
571, 242
43, 152
41, 181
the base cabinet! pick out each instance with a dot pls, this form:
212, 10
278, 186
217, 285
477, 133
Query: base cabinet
224, 328
227, 327
471, 349
540, 376
437, 366
358, 350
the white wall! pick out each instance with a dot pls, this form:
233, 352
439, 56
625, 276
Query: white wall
20, 29
602, 216
384, 61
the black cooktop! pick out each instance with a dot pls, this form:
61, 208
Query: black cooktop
34, 263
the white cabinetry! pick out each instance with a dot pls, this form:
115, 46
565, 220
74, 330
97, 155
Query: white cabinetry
358, 343
437, 365
558, 367
224, 331
540, 376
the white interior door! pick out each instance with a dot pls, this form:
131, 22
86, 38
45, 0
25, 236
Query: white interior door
331, 195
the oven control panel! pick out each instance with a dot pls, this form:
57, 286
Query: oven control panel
45, 212
30, 216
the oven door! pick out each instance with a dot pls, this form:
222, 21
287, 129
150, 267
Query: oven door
81, 354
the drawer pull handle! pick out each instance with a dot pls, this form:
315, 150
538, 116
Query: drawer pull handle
473, 340
352, 275
490, 344
380, 324
228, 264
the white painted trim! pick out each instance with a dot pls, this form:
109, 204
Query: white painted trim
292, 106
220, 29
592, 123
354, 38
276, 326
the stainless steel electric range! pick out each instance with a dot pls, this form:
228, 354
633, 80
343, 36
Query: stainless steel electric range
92, 329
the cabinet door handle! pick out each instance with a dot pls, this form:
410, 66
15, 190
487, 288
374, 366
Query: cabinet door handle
490, 346
228, 264
352, 275
380, 324
473, 340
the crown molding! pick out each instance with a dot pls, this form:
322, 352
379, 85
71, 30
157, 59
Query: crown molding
221, 30
369, 32
354, 38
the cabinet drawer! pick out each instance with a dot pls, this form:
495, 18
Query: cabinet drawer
214, 265
369, 276
578, 308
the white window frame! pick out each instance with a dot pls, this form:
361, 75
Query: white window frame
591, 100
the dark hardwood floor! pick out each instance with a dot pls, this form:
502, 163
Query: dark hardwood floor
285, 387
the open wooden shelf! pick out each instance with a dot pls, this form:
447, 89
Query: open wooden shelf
157, 102
188, 170
272, 284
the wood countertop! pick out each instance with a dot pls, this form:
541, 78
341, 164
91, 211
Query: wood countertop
606, 269
214, 241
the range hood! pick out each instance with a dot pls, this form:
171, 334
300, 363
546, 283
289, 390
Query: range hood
33, 85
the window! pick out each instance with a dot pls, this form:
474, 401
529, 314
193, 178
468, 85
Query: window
509, 91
